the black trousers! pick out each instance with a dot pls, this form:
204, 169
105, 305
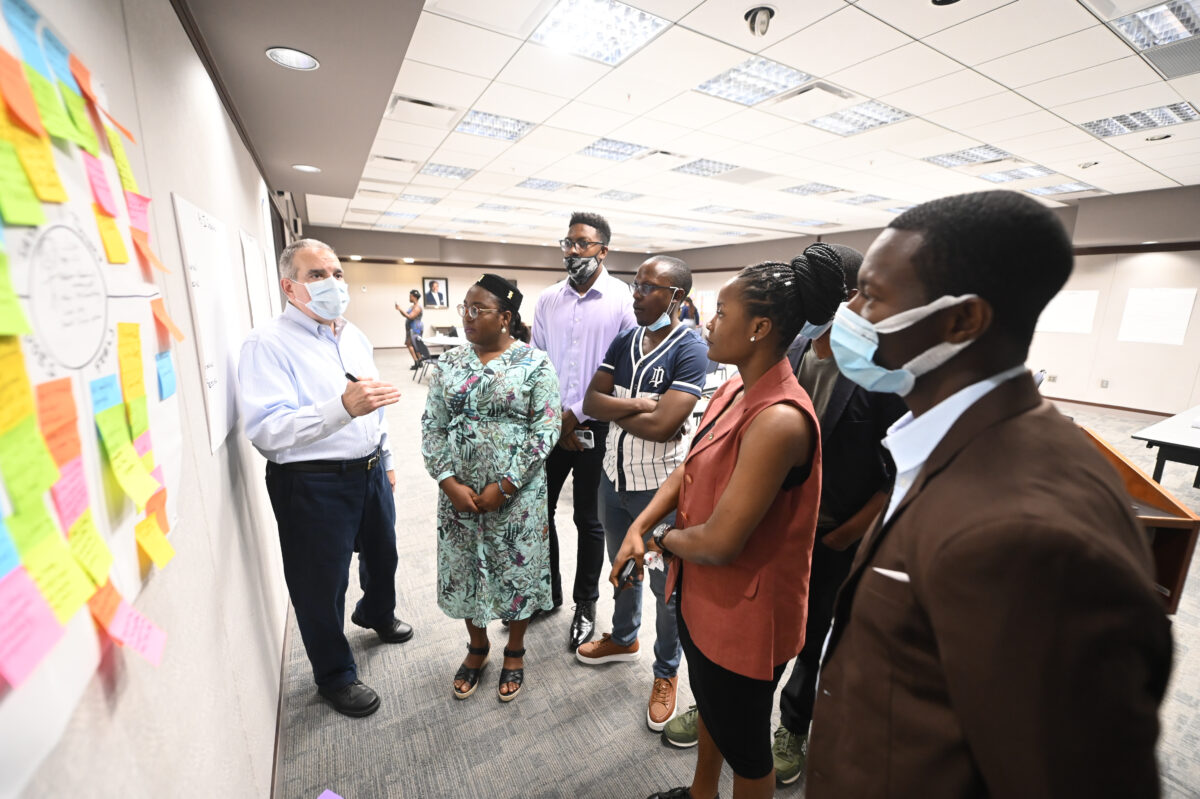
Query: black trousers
321, 518
588, 466
829, 570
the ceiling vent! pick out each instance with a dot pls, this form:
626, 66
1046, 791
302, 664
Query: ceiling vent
1176, 60
812, 100
422, 112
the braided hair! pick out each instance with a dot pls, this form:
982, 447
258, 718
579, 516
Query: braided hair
809, 289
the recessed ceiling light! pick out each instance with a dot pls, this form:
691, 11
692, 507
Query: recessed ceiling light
306, 168
1160, 24
619, 196
540, 184
1060, 188
1161, 117
753, 81
602, 30
857, 119
1158, 137
419, 198
447, 171
504, 241
613, 150
292, 59
972, 155
1020, 173
704, 168
863, 199
1088, 164
812, 188
409, 260
355, 257
493, 126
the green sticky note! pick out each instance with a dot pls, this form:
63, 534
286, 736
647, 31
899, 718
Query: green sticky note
50, 106
114, 432
85, 134
12, 316
31, 527
26, 465
18, 204
139, 420
124, 170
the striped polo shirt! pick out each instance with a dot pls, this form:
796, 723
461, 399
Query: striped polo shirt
678, 363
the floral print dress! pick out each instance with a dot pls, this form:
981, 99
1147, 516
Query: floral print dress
483, 422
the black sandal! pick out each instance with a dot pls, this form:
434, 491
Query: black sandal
468, 675
511, 675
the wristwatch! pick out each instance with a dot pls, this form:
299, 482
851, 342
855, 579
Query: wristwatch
657, 535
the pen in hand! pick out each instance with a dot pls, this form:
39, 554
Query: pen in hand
351, 378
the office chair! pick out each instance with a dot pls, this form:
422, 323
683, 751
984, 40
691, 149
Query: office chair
426, 358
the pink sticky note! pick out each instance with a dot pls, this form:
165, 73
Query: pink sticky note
70, 492
28, 629
143, 445
138, 211
135, 631
100, 190
157, 474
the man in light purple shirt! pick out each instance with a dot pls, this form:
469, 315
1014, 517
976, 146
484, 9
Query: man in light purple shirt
574, 322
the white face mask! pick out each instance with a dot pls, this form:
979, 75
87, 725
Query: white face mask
329, 298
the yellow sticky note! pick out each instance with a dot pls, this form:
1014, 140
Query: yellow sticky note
110, 235
132, 475
50, 106
139, 420
152, 541
18, 204
82, 121
129, 358
89, 548
13, 321
37, 159
16, 396
30, 527
62, 582
26, 465
128, 181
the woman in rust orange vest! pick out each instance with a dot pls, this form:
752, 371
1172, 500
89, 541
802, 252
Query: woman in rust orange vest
746, 501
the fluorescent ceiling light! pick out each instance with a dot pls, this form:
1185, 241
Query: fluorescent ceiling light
704, 168
419, 198
493, 126
859, 118
767, 217
613, 150
602, 30
292, 59
465, 221
812, 188
1161, 117
972, 155
496, 207
863, 199
447, 171
400, 215
753, 81
306, 168
619, 196
1018, 174
1060, 188
388, 226
715, 209
809, 222
1160, 24
736, 233
541, 185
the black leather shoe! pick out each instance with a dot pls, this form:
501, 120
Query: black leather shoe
675, 793
395, 633
355, 699
583, 625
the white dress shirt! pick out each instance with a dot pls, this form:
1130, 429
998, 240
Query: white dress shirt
292, 374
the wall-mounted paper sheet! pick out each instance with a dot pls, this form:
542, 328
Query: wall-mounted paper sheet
1157, 316
1069, 312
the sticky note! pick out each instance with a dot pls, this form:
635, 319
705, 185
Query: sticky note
63, 443
31, 527
54, 115
13, 321
139, 419
18, 204
25, 464
157, 474
16, 398
99, 184
124, 169
84, 78
28, 628
129, 357
89, 548
138, 633
81, 120
56, 403
70, 493
59, 578
37, 159
104, 603
164, 319
9, 559
110, 235
152, 541
141, 240
166, 374
139, 210
113, 427
22, 20
143, 444
59, 58
132, 475
17, 95
158, 505
106, 392
148, 462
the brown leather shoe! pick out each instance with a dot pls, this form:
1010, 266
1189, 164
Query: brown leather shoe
605, 650
662, 702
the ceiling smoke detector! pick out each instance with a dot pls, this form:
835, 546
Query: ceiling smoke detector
759, 19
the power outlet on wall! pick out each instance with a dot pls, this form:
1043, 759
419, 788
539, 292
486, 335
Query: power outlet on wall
1051, 378
1103, 384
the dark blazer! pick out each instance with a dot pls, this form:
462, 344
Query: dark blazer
1013, 645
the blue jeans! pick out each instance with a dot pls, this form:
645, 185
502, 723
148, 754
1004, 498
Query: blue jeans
618, 509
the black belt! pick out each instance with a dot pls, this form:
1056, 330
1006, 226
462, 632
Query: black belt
332, 467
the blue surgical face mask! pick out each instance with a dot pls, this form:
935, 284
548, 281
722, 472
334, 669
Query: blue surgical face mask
663, 320
330, 297
854, 341
814, 332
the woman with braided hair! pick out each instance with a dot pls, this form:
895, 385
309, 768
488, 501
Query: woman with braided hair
746, 512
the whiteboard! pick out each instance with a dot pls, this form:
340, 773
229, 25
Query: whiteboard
258, 283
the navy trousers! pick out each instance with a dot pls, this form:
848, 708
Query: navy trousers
323, 518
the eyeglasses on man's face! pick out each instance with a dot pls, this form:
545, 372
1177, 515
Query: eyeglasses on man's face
579, 245
473, 311
646, 288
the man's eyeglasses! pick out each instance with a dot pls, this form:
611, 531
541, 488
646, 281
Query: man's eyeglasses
473, 311
646, 288
579, 245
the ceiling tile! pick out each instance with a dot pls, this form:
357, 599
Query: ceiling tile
554, 140
836, 42
1029, 146
364, 201
391, 130
701, 145
1086, 48
476, 145
324, 210
816, 100
513, 17
936, 143
518, 103
919, 18
425, 82
586, 118
551, 71
1023, 124
748, 125
694, 110
398, 149
798, 138
725, 20
1123, 102
1189, 87
1011, 28
988, 109
648, 132
667, 9
944, 92
1140, 183
897, 69
1113, 76
447, 43
444, 155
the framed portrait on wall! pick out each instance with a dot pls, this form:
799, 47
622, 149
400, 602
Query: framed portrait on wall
437, 292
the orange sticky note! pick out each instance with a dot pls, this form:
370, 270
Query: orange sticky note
158, 506
18, 95
104, 603
142, 242
56, 403
164, 319
63, 443
84, 78
110, 235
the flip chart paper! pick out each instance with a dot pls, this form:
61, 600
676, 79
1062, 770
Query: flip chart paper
1157, 316
28, 628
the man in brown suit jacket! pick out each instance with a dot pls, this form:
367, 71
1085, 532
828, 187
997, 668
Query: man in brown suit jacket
999, 634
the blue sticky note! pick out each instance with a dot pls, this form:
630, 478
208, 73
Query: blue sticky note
60, 59
166, 374
9, 559
22, 21
3, 243
106, 392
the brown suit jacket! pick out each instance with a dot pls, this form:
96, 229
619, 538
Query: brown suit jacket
1027, 652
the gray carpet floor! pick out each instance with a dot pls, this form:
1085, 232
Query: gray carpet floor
575, 731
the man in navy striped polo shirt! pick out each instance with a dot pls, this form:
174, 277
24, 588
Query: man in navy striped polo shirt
646, 386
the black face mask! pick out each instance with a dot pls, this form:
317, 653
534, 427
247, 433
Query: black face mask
580, 269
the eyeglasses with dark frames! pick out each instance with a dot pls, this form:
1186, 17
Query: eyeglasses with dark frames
472, 312
579, 245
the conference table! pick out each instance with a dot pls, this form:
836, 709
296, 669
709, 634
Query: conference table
445, 342
1177, 439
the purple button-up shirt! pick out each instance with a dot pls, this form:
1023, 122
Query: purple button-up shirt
576, 330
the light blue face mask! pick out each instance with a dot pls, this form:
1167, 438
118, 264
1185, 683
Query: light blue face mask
664, 320
854, 341
329, 298
814, 332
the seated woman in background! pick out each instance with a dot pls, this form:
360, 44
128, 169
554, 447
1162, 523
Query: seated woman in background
491, 418
746, 499
412, 324
688, 315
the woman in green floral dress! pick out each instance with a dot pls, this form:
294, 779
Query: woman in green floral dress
491, 418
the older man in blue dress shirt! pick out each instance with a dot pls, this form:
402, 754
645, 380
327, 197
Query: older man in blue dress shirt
313, 408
